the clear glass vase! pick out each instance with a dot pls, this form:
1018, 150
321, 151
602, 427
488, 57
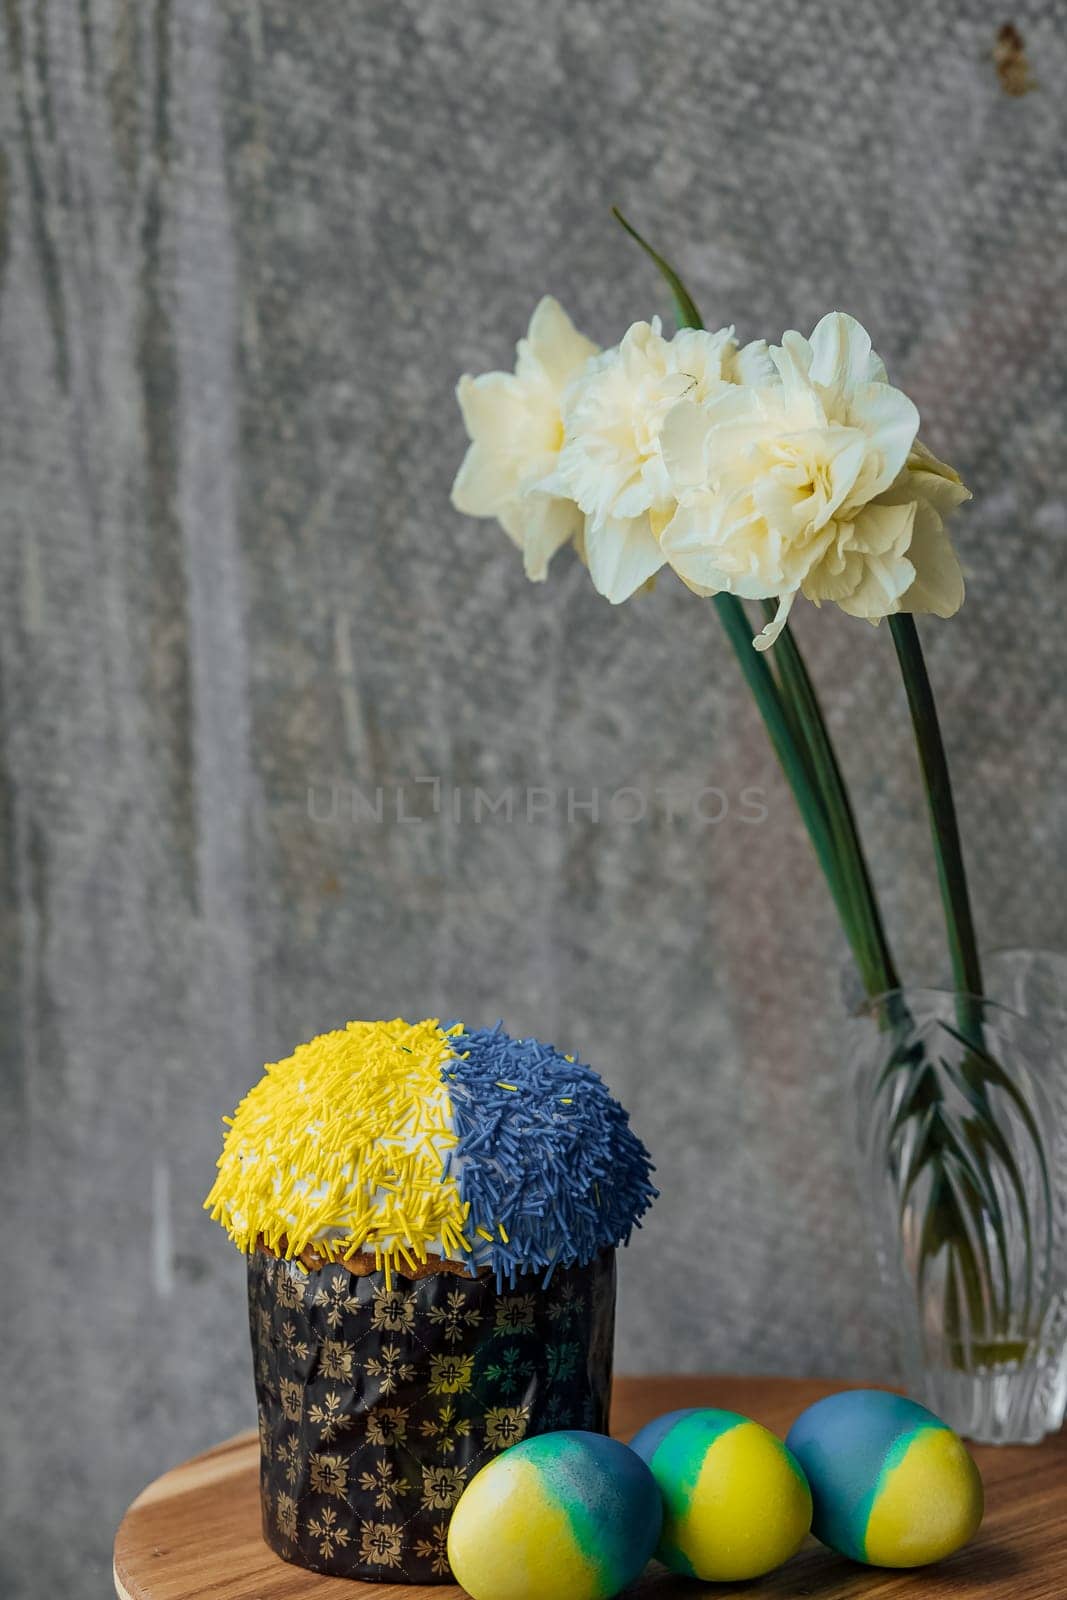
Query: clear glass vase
961, 1123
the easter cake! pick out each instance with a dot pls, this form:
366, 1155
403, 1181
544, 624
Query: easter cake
430, 1216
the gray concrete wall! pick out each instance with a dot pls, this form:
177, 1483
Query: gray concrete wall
245, 250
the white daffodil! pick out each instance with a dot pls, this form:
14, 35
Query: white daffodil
936, 490
611, 462
812, 484
514, 422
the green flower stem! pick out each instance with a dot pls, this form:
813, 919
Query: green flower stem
797, 768
878, 967
948, 851
977, 1070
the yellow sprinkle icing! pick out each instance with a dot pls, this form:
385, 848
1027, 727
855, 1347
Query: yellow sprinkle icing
343, 1145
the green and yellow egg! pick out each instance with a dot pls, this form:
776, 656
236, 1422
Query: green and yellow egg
735, 1502
568, 1513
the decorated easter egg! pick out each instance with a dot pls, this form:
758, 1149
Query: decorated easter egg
735, 1503
891, 1484
567, 1513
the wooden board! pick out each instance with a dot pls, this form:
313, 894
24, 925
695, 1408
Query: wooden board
195, 1532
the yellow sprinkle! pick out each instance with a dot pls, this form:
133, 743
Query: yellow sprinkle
512, 1086
565, 1100
503, 1233
322, 1145
483, 1234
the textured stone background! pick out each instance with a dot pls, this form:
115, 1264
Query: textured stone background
245, 250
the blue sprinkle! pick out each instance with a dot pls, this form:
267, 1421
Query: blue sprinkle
538, 1166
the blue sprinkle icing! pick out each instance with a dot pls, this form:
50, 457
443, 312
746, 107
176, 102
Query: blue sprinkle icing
553, 1158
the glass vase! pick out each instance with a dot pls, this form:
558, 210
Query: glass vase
961, 1123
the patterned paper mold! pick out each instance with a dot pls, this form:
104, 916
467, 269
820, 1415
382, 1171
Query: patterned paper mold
415, 1144
378, 1406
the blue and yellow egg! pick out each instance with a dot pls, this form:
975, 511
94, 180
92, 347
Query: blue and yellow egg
735, 1503
567, 1513
891, 1484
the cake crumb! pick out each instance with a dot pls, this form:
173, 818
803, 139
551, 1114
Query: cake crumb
1009, 58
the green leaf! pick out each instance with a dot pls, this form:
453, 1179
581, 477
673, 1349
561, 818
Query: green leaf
685, 305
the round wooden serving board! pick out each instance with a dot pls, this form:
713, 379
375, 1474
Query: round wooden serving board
195, 1533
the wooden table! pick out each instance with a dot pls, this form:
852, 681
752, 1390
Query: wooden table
195, 1533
